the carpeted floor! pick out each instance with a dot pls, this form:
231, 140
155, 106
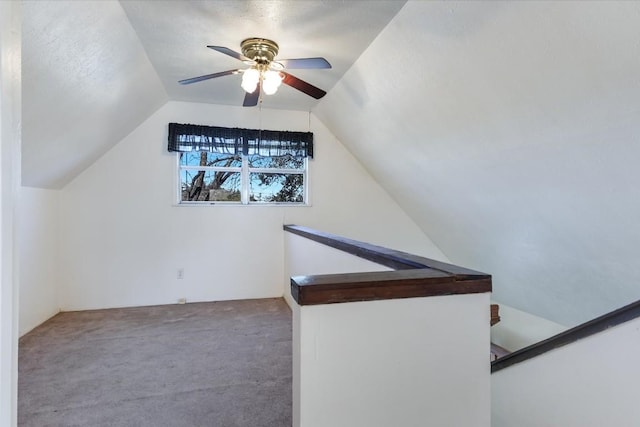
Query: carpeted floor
216, 364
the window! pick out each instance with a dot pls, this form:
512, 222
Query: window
230, 165
215, 177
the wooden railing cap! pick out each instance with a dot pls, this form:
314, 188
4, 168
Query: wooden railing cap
413, 276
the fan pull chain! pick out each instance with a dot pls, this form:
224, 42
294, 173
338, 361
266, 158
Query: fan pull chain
260, 120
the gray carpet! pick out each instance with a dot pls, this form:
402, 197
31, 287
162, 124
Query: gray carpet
204, 364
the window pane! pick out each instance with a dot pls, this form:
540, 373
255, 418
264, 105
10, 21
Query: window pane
205, 158
207, 186
280, 162
276, 187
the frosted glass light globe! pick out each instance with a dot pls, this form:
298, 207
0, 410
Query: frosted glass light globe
271, 81
250, 80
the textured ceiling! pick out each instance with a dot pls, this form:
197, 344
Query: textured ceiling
175, 35
507, 130
513, 142
94, 70
86, 83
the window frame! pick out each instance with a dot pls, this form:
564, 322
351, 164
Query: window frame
245, 185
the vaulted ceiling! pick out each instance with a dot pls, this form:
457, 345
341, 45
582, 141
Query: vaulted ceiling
508, 131
93, 70
512, 138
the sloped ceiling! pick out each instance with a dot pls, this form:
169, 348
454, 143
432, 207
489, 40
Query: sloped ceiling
93, 70
175, 35
509, 131
86, 83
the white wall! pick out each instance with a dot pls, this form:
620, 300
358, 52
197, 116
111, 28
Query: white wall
10, 128
508, 131
38, 246
306, 257
590, 383
404, 362
409, 362
122, 238
518, 329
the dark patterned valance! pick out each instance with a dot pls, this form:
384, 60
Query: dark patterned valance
273, 143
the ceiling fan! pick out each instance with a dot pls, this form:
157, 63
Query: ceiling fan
265, 74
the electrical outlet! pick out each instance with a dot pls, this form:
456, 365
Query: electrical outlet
182, 301
180, 273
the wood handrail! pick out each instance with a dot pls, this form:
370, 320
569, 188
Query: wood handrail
391, 258
424, 277
584, 330
413, 275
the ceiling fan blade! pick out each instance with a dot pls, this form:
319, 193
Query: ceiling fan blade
251, 99
230, 52
304, 63
302, 86
208, 76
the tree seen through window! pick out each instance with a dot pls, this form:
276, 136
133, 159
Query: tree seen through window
218, 177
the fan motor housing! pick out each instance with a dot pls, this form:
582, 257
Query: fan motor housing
260, 50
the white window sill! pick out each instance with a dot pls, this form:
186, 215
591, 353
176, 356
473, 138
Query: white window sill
218, 204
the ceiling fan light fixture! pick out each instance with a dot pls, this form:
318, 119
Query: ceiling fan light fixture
271, 81
250, 79
264, 74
